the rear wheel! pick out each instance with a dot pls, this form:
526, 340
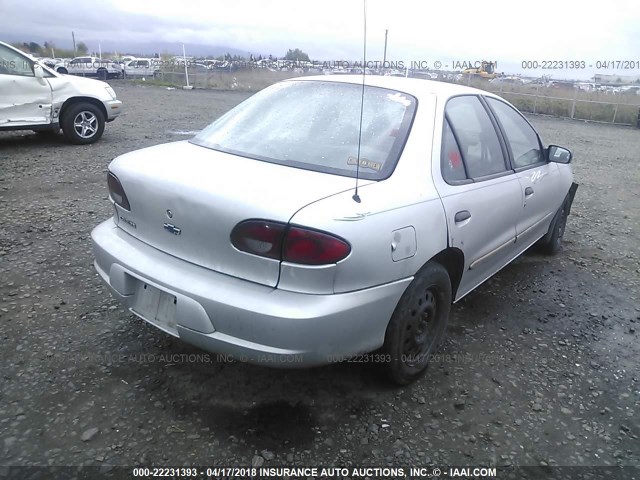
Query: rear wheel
418, 324
83, 123
62, 70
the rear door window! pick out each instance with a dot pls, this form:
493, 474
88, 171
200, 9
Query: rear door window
452, 165
476, 136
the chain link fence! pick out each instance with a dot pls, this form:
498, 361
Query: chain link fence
564, 101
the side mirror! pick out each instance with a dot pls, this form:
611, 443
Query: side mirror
37, 70
558, 154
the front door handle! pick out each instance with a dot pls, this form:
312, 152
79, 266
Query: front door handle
528, 192
462, 216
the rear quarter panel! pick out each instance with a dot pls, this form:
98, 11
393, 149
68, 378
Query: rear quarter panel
407, 198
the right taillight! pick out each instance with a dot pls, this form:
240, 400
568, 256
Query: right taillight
117, 192
288, 243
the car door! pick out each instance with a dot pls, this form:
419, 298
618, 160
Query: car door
80, 66
481, 195
540, 180
145, 67
25, 98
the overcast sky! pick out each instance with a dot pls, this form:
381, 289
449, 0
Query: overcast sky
506, 31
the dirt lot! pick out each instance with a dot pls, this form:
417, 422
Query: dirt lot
540, 366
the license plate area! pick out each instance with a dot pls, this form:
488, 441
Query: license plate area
156, 307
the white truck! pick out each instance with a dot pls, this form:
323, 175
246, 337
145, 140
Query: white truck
142, 67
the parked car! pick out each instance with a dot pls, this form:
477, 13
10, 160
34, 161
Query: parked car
50, 62
629, 89
142, 67
35, 97
90, 67
126, 59
507, 80
296, 230
198, 67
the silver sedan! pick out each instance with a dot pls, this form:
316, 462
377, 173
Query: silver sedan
324, 218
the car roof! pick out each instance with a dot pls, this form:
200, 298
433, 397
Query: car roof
414, 86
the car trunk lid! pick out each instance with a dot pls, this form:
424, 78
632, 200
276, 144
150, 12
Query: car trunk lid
185, 200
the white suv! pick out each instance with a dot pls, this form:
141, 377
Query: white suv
37, 98
90, 67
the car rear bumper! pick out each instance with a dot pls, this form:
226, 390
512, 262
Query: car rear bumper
114, 108
250, 322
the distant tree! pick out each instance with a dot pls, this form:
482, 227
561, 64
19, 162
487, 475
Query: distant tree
34, 47
296, 55
19, 46
82, 48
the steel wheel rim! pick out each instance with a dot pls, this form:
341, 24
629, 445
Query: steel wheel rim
85, 124
421, 328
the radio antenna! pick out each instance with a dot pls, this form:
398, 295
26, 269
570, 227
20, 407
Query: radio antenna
356, 197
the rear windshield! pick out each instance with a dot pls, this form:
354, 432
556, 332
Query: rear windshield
315, 125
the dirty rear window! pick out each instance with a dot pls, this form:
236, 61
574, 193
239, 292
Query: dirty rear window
315, 125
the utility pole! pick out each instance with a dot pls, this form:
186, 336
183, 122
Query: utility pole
73, 37
384, 60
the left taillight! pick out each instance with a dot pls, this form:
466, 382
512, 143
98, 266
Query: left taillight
259, 237
117, 192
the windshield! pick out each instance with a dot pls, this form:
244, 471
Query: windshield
315, 125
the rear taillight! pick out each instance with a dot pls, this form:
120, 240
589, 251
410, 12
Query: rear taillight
259, 237
290, 244
117, 192
313, 248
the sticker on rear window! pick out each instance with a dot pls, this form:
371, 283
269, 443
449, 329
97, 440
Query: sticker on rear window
398, 97
364, 163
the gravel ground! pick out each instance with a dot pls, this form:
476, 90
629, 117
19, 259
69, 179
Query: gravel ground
540, 366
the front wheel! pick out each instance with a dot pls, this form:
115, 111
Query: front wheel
418, 324
83, 123
552, 242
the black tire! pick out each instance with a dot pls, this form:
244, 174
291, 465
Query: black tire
551, 243
62, 70
102, 73
418, 324
83, 123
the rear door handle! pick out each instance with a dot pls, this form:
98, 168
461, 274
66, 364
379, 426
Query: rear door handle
462, 216
528, 192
